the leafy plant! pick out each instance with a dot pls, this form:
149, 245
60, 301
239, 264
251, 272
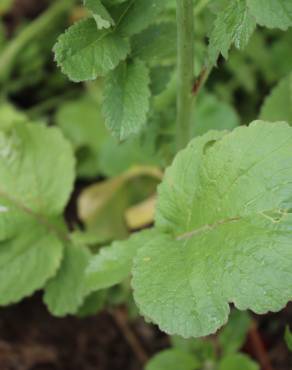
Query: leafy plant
221, 233
209, 353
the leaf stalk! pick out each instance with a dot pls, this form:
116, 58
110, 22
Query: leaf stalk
185, 71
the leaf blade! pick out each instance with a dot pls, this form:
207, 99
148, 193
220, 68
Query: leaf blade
126, 99
83, 52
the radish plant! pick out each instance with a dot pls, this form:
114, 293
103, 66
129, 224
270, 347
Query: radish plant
223, 221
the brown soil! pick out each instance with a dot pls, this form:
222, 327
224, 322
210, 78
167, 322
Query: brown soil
31, 339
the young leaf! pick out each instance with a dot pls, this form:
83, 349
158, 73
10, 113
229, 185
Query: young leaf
82, 123
213, 114
113, 264
288, 338
126, 99
139, 14
117, 158
65, 293
157, 43
35, 186
272, 13
237, 361
93, 304
173, 359
83, 52
10, 115
102, 17
223, 226
233, 25
233, 335
203, 349
278, 105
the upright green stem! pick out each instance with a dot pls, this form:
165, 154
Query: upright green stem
185, 67
33, 30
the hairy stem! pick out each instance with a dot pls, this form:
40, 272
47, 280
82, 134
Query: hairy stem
33, 30
185, 67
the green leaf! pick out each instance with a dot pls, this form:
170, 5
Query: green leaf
32, 177
233, 335
156, 44
102, 17
113, 264
160, 77
65, 293
93, 304
83, 52
272, 13
139, 14
82, 123
10, 115
237, 361
233, 25
223, 225
288, 338
213, 114
5, 5
126, 99
173, 359
34, 188
30, 255
278, 105
117, 158
203, 349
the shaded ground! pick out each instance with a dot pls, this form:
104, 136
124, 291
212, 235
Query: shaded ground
31, 339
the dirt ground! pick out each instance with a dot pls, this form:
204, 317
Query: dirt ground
31, 339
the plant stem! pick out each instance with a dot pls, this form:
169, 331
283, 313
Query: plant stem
33, 30
185, 67
121, 320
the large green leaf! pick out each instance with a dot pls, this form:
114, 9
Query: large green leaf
34, 188
126, 99
278, 105
223, 231
83, 52
272, 13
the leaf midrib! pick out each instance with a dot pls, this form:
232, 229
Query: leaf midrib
207, 227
